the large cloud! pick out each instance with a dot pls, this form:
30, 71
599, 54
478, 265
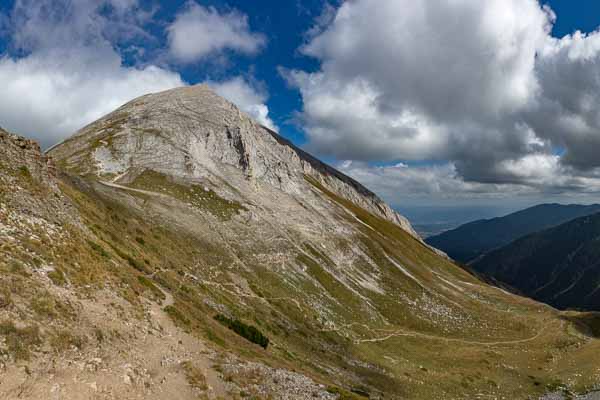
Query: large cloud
199, 31
480, 84
567, 112
67, 72
403, 185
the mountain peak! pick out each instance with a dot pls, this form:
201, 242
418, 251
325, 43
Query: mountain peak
194, 134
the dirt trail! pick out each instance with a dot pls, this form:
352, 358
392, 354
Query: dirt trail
138, 358
117, 186
433, 337
198, 353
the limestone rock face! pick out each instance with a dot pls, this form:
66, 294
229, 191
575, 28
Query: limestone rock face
192, 133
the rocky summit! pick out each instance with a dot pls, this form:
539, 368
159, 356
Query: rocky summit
177, 249
193, 134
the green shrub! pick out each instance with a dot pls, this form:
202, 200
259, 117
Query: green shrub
64, 340
153, 288
20, 340
345, 395
98, 249
24, 171
246, 331
177, 316
57, 277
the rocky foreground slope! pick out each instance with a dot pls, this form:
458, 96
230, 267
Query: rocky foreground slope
180, 250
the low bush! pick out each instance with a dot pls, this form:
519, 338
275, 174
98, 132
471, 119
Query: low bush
20, 340
194, 376
64, 340
346, 395
177, 316
249, 332
147, 283
57, 277
139, 266
98, 249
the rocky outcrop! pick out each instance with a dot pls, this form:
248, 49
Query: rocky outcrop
193, 133
26, 156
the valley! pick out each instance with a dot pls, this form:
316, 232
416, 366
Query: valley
474, 239
558, 266
135, 239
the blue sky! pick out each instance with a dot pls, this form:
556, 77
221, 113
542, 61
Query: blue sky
426, 102
583, 15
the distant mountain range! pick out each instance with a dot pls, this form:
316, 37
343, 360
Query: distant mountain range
559, 266
470, 241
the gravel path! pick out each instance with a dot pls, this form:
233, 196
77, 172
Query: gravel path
560, 396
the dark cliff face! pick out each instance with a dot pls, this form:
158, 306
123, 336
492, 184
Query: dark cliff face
469, 241
559, 266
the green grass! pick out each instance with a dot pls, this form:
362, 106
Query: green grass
147, 283
132, 261
196, 195
178, 317
335, 288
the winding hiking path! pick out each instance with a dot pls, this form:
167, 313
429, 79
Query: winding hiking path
465, 341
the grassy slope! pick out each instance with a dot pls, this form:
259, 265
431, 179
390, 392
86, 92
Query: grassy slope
547, 352
435, 333
452, 344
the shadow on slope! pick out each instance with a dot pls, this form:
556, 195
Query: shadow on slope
587, 324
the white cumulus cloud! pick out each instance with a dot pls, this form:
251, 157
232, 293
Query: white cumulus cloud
198, 32
70, 74
480, 87
540, 177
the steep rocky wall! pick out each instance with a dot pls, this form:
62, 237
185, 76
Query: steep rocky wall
24, 153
